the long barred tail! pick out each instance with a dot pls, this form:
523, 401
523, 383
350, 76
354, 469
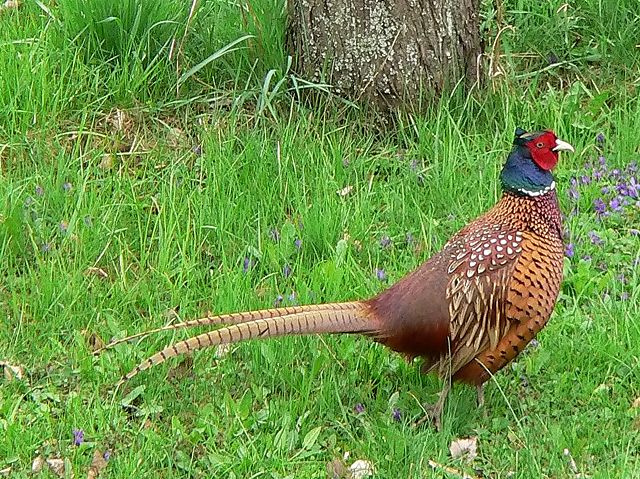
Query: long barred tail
352, 317
220, 319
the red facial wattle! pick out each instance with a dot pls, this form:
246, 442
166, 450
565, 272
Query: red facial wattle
541, 149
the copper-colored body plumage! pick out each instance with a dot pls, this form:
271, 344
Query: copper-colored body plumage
467, 311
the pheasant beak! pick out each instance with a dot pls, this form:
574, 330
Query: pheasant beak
562, 146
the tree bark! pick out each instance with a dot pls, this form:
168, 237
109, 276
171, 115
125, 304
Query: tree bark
388, 52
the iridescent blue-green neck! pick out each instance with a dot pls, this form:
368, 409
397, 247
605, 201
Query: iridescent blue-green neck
521, 176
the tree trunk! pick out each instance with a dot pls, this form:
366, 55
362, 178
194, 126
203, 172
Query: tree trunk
387, 52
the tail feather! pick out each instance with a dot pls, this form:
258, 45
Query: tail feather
230, 318
331, 318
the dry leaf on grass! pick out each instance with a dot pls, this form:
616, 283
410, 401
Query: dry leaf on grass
99, 272
94, 342
9, 4
98, 463
55, 464
360, 469
12, 371
345, 191
107, 161
466, 448
336, 469
5, 472
222, 350
636, 403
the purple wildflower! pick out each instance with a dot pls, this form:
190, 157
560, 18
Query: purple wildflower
632, 167
39, 191
78, 437
634, 232
573, 194
298, 243
286, 271
381, 275
278, 300
396, 414
358, 408
624, 296
292, 298
602, 160
64, 226
595, 238
597, 175
385, 241
600, 138
410, 239
197, 149
622, 189
622, 278
569, 250
45, 247
634, 187
274, 234
246, 264
615, 204
585, 180
107, 455
67, 186
586, 257
605, 190
599, 206
615, 173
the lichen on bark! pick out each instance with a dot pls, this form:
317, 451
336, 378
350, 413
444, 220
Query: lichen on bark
384, 50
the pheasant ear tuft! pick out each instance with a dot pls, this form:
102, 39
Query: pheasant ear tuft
520, 132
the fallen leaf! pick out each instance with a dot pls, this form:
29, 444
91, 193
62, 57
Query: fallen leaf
98, 463
12, 371
107, 161
345, 191
99, 272
336, 469
222, 350
9, 4
360, 469
37, 464
57, 466
5, 472
94, 342
636, 403
466, 448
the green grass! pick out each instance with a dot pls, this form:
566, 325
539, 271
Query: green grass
98, 170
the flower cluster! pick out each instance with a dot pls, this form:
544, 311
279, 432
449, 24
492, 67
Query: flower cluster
605, 209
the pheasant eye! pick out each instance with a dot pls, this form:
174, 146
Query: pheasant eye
539, 144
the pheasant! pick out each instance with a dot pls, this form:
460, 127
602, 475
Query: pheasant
467, 311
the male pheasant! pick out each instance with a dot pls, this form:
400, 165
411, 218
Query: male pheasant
468, 310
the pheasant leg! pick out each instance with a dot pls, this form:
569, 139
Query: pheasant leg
480, 394
434, 411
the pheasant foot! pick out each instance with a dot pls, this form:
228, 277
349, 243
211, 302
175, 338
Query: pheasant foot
434, 411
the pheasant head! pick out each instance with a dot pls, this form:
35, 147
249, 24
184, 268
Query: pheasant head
527, 171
